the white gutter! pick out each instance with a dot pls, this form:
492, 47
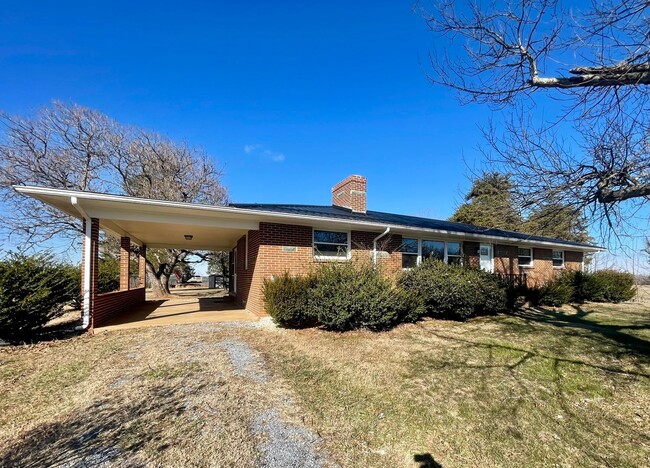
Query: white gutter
374, 245
276, 217
85, 311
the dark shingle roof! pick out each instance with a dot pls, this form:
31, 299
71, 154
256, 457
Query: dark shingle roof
335, 212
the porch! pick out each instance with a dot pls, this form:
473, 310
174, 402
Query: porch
191, 305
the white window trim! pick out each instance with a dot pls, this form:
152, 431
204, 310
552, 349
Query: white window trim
563, 260
532, 257
446, 257
326, 258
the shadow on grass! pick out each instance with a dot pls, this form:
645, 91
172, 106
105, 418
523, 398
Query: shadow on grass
579, 321
106, 431
568, 378
425, 460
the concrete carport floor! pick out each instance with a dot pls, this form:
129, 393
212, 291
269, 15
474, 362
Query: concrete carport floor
187, 305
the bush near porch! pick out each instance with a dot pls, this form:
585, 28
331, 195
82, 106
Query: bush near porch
34, 290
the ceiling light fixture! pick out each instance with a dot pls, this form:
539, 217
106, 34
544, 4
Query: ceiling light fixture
189, 237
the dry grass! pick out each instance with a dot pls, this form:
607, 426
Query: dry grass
568, 388
166, 396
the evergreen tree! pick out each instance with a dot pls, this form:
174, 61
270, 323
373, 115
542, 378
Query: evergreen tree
490, 204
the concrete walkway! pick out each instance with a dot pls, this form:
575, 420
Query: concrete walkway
189, 306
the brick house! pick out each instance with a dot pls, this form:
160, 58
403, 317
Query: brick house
268, 239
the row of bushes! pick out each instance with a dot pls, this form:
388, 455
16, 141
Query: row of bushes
356, 295
34, 290
578, 287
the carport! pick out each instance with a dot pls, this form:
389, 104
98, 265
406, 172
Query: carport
148, 224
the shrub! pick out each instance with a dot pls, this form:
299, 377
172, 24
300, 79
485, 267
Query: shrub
32, 292
353, 295
612, 286
72, 275
109, 275
554, 293
453, 291
288, 300
579, 287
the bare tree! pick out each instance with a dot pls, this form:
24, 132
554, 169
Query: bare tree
515, 55
73, 147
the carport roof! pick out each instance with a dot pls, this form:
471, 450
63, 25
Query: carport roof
159, 223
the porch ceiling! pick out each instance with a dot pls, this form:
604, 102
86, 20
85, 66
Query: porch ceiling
156, 224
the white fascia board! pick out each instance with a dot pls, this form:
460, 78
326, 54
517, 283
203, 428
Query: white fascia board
191, 210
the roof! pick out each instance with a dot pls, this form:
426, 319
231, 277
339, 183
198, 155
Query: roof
379, 217
163, 223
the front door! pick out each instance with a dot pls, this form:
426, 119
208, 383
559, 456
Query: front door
487, 257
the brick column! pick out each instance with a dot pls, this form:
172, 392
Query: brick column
125, 263
142, 266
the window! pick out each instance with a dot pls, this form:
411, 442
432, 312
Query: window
558, 258
454, 253
415, 250
433, 249
525, 257
409, 253
331, 245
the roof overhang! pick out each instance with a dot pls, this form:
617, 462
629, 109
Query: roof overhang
159, 223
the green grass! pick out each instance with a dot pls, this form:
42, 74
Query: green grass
567, 387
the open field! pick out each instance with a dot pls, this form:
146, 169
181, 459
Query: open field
568, 387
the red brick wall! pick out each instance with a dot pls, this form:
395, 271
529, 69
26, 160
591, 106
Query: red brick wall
506, 261
112, 304
279, 248
351, 193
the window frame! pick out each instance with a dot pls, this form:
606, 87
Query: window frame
553, 259
446, 248
531, 256
329, 258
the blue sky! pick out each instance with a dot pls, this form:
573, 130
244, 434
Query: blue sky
289, 97
314, 91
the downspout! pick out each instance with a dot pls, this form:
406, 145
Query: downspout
85, 311
374, 245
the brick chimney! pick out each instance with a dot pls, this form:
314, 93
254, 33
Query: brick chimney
351, 193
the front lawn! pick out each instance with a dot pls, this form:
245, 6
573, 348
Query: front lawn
567, 387
545, 387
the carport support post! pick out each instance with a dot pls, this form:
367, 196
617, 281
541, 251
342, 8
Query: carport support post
142, 266
89, 271
125, 263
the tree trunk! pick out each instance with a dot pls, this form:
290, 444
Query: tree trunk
159, 283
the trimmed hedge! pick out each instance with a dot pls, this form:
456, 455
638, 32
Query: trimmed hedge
288, 300
454, 291
350, 295
356, 295
578, 287
339, 296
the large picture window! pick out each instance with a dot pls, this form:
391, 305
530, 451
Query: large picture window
433, 249
414, 251
331, 244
